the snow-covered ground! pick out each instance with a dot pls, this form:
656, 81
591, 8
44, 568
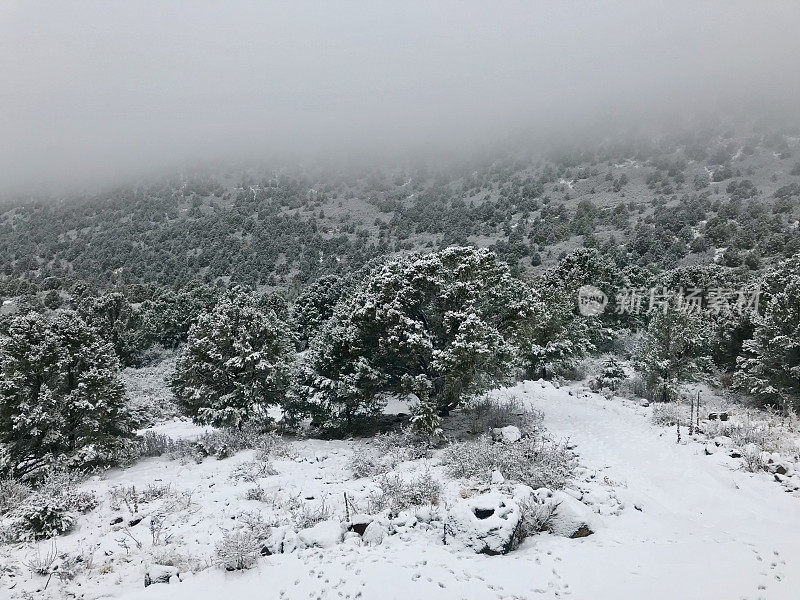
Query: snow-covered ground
673, 523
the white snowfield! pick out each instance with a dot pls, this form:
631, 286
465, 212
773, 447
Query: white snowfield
691, 527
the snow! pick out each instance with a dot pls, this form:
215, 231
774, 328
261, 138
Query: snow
669, 522
323, 535
179, 429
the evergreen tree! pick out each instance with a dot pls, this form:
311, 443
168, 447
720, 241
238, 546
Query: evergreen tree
769, 367
672, 350
446, 321
314, 306
117, 321
60, 395
554, 336
612, 374
166, 318
235, 364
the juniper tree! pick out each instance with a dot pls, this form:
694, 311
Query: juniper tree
117, 320
448, 319
60, 395
769, 367
672, 350
235, 364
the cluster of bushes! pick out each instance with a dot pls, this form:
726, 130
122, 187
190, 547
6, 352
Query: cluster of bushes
48, 510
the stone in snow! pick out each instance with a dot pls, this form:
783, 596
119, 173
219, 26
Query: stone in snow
324, 534
571, 518
485, 523
160, 574
497, 477
374, 534
508, 434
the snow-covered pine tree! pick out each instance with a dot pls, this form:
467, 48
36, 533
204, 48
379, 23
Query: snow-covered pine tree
673, 349
60, 395
612, 374
117, 321
314, 306
554, 337
769, 367
235, 364
449, 317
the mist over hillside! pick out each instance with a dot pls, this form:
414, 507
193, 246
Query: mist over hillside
102, 93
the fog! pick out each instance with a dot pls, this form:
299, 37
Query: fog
94, 93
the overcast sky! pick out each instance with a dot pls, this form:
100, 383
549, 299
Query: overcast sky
98, 92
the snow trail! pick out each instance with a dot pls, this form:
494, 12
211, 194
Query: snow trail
704, 531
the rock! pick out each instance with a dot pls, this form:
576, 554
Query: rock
486, 523
710, 449
571, 518
723, 416
160, 574
135, 521
736, 453
323, 535
359, 523
497, 477
117, 521
374, 534
508, 434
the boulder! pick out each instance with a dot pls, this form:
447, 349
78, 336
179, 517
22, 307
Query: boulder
374, 534
359, 523
508, 434
323, 535
571, 518
487, 523
160, 574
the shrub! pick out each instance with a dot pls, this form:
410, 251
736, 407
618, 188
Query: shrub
535, 517
533, 461
753, 458
41, 517
253, 470
398, 493
237, 550
12, 493
669, 413
488, 413
306, 515
219, 443
385, 451
152, 444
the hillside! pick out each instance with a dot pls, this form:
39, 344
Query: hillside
658, 202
